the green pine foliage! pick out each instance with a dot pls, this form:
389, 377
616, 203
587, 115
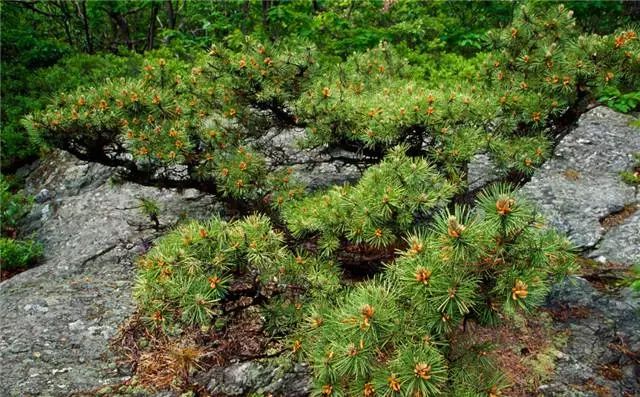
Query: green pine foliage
46, 48
187, 276
537, 68
184, 121
377, 211
377, 100
543, 64
484, 264
315, 279
400, 332
32, 89
198, 120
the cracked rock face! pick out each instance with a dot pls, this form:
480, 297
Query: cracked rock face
600, 357
581, 184
481, 171
621, 243
56, 319
317, 167
580, 192
242, 379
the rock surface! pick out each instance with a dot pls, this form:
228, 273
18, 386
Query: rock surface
242, 379
56, 319
581, 184
581, 193
621, 244
601, 354
317, 167
481, 171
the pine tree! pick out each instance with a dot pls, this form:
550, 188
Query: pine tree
402, 331
375, 212
483, 264
187, 275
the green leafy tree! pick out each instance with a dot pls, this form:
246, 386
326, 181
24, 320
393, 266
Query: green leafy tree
15, 251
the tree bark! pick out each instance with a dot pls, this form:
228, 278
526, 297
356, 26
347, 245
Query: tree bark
120, 25
67, 20
125, 32
151, 33
266, 4
81, 6
171, 14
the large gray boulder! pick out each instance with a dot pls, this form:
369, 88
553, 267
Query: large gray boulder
580, 185
56, 319
580, 192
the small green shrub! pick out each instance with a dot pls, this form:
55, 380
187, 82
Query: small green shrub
18, 254
188, 274
635, 279
632, 177
15, 253
377, 211
624, 103
400, 332
13, 206
150, 209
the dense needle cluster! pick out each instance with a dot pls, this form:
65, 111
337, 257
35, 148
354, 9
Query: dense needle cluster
377, 211
484, 264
